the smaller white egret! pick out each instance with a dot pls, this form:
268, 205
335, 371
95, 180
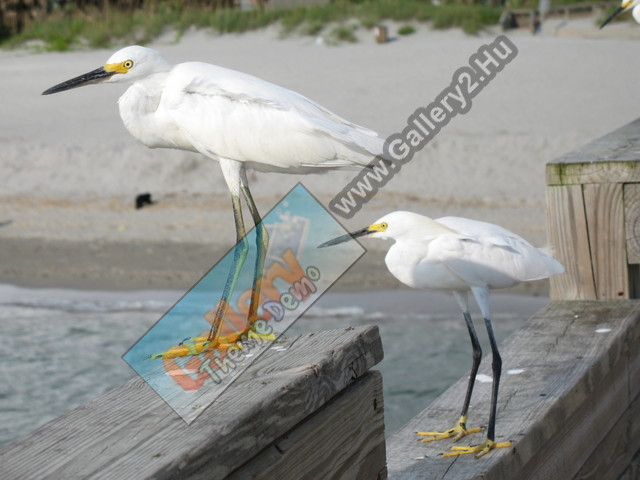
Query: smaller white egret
457, 255
625, 5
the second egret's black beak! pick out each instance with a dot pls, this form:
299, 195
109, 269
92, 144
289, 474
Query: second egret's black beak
96, 76
613, 15
347, 237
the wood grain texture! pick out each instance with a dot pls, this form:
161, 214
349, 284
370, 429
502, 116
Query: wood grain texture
604, 209
568, 235
612, 455
344, 439
632, 221
613, 158
572, 396
131, 433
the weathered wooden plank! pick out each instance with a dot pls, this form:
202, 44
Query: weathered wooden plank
574, 383
344, 439
568, 235
612, 158
131, 433
604, 210
614, 454
632, 221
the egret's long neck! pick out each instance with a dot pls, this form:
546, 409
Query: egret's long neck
139, 109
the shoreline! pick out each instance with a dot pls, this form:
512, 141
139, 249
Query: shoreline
376, 301
132, 266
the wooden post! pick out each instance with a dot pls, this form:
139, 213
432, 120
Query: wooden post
381, 33
593, 217
314, 410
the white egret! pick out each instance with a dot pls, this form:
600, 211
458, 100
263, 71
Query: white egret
237, 119
457, 255
625, 5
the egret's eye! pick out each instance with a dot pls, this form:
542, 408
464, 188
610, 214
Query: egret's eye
383, 226
127, 64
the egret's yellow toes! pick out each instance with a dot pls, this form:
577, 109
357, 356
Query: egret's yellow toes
263, 336
194, 340
235, 340
457, 432
479, 450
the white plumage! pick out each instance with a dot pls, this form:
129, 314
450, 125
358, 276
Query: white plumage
239, 120
457, 255
453, 253
224, 114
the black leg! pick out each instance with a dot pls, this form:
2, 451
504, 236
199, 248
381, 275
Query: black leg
477, 357
497, 370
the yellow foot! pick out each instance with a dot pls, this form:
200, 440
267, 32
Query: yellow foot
459, 431
197, 345
479, 450
185, 349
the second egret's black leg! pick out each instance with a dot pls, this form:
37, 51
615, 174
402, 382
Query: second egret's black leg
482, 296
496, 366
477, 358
460, 429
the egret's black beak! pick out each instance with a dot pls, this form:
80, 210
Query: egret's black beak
96, 76
614, 14
347, 237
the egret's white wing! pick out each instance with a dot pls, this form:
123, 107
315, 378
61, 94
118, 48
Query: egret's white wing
233, 115
487, 254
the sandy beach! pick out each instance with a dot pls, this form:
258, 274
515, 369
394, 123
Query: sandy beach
70, 171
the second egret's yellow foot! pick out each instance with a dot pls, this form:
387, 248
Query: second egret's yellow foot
479, 450
457, 432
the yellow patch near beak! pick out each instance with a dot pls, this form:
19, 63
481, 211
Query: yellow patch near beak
626, 4
117, 67
377, 227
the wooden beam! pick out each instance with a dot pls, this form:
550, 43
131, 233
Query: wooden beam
632, 221
577, 365
611, 456
613, 158
131, 433
604, 210
344, 439
568, 235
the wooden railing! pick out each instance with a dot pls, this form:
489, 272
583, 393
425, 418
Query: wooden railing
306, 412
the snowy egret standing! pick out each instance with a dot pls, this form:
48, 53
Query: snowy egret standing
625, 5
237, 119
457, 255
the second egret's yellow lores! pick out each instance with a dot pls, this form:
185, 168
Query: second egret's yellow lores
237, 119
459, 255
625, 5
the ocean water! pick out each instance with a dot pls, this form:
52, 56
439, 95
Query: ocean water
60, 349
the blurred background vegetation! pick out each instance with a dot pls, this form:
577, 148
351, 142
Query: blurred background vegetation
66, 24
